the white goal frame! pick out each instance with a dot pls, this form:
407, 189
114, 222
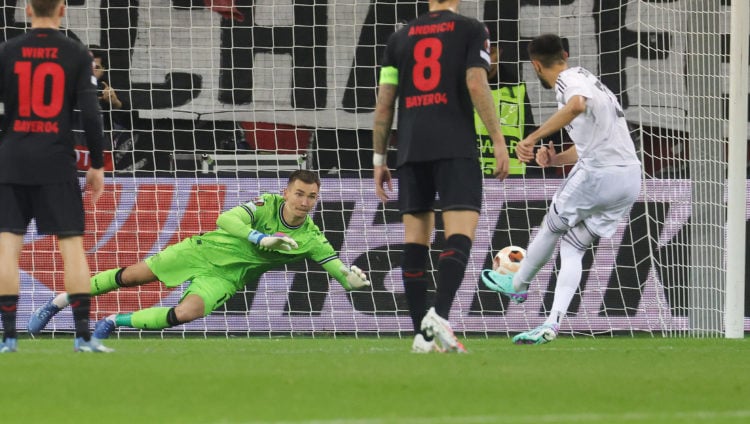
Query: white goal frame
230, 96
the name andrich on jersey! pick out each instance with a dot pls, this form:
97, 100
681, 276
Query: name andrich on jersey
432, 28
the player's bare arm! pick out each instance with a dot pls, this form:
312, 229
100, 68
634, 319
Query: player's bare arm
95, 183
381, 132
484, 103
575, 106
547, 156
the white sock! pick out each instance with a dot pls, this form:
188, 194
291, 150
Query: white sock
555, 317
61, 300
569, 276
538, 253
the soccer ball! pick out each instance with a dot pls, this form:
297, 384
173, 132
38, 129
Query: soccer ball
549, 334
508, 260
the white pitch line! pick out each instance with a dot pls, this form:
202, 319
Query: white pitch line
707, 416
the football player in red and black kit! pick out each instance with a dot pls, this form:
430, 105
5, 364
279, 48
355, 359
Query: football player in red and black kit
437, 68
44, 75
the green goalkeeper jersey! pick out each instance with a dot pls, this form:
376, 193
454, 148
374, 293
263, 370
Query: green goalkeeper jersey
238, 260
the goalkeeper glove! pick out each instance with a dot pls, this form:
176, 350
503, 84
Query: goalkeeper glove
355, 277
278, 241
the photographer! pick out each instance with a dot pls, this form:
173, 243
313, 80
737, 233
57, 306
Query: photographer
117, 117
114, 108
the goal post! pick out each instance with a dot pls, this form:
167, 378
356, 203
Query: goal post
223, 98
737, 172
707, 168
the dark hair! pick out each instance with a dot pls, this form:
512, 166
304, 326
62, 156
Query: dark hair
547, 49
305, 176
44, 8
98, 53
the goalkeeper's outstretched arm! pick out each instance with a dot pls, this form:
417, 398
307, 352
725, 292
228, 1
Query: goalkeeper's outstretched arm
350, 277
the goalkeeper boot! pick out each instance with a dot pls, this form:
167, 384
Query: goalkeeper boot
503, 284
104, 328
433, 325
40, 318
93, 346
420, 345
9, 345
545, 333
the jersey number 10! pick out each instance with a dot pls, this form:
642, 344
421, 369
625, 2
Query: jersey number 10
32, 83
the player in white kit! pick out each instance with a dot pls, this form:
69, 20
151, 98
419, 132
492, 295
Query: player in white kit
598, 192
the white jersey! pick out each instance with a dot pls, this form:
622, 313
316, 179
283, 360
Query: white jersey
600, 134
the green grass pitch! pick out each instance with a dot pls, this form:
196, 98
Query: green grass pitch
373, 381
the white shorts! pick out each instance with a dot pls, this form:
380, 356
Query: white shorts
599, 197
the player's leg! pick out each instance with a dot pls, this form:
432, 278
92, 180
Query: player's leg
417, 228
572, 248
573, 245
15, 215
458, 182
77, 275
58, 209
64, 216
190, 308
173, 264
571, 204
451, 269
204, 295
598, 205
538, 253
113, 279
459, 185
10, 251
416, 197
567, 203
101, 283
541, 248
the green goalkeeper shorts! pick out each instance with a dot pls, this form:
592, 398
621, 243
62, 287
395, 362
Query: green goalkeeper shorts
182, 262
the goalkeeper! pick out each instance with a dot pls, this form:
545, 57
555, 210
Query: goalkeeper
252, 238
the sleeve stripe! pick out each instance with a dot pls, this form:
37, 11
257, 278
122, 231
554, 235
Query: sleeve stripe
328, 259
249, 212
484, 55
389, 75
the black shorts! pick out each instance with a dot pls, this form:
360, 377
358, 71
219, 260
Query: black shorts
57, 208
457, 182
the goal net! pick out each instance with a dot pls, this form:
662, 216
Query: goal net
221, 99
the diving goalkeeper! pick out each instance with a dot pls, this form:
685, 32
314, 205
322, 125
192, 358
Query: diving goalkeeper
252, 238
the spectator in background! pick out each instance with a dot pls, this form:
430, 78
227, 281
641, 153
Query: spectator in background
118, 119
107, 96
115, 111
516, 117
514, 110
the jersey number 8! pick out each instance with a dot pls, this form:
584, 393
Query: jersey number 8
427, 51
